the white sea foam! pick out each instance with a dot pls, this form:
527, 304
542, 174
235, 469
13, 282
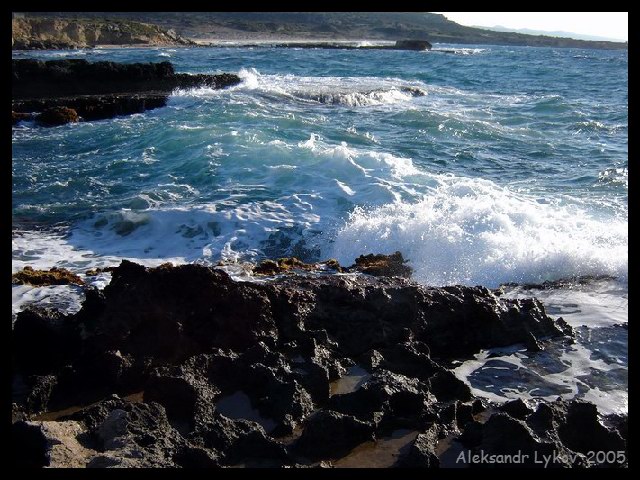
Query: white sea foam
594, 303
510, 377
471, 231
344, 91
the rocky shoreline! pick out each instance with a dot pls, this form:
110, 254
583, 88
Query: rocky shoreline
182, 366
99, 90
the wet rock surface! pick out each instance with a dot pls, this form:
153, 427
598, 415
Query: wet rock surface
97, 90
53, 276
383, 265
239, 373
57, 116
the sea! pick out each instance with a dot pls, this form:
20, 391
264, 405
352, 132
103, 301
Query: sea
500, 166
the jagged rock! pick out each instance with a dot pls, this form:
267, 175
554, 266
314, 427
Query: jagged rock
453, 417
478, 406
503, 435
471, 435
39, 278
192, 338
43, 341
383, 265
582, 431
390, 400
133, 435
185, 391
461, 319
97, 107
446, 386
329, 434
239, 440
517, 409
38, 398
422, 453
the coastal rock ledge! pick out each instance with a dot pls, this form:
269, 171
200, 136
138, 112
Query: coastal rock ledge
182, 366
98, 90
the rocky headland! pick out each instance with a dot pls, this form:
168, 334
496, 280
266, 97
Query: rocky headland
62, 91
61, 33
309, 365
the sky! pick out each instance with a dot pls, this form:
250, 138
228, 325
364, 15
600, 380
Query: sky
604, 24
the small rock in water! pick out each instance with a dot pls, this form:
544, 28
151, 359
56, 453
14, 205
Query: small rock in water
39, 278
383, 265
289, 264
57, 116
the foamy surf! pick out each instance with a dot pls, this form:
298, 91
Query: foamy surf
472, 232
342, 91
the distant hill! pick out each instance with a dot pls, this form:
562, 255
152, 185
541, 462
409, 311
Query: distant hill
39, 33
329, 26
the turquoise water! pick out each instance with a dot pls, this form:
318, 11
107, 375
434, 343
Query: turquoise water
482, 166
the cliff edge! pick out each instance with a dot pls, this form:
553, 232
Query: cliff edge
49, 33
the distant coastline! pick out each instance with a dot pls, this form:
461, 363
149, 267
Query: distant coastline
66, 30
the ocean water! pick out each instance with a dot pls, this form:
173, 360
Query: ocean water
482, 165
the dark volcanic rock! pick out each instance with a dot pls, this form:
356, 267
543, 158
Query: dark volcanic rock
503, 435
149, 317
464, 319
98, 90
43, 341
517, 409
329, 434
185, 392
191, 339
98, 107
422, 453
239, 440
60, 78
412, 45
393, 400
571, 429
172, 313
583, 432
125, 434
